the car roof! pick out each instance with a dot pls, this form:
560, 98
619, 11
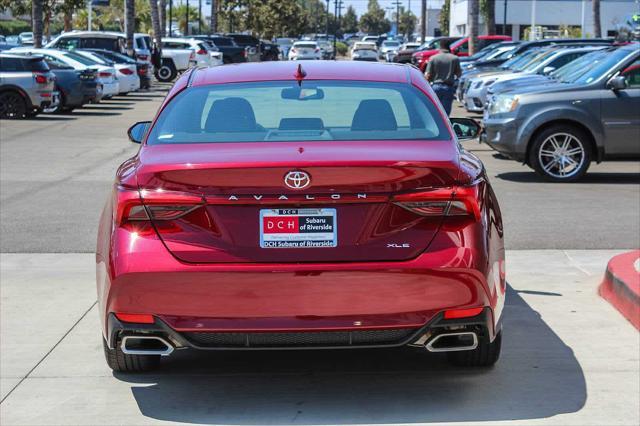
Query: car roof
19, 55
97, 34
316, 70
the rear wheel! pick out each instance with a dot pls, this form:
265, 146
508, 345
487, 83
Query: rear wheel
167, 72
121, 362
561, 153
485, 355
12, 105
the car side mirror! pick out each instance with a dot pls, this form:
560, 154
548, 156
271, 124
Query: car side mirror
138, 131
465, 128
548, 70
617, 83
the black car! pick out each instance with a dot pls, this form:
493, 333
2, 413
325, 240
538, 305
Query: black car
231, 52
269, 51
250, 42
76, 88
142, 68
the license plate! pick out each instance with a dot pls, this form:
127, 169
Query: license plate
298, 228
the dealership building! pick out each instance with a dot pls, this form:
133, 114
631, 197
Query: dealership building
550, 17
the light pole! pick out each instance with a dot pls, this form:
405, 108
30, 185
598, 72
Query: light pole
326, 30
199, 16
170, 18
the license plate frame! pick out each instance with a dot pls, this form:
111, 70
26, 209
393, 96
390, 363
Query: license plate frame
289, 228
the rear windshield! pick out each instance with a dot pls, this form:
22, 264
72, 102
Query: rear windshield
79, 58
306, 45
282, 111
223, 41
9, 64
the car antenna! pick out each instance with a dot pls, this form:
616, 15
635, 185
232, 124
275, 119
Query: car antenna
300, 74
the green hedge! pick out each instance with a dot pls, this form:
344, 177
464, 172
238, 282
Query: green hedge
341, 48
14, 27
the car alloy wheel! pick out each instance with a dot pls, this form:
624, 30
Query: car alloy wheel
12, 105
561, 156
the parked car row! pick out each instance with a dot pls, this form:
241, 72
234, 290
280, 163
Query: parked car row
557, 107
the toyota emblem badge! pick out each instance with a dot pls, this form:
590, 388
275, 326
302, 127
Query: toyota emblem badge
297, 179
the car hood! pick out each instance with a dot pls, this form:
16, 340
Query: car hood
543, 86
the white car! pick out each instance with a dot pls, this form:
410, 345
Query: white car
128, 80
106, 75
203, 56
305, 50
364, 51
389, 49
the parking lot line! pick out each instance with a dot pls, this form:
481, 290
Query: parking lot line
568, 358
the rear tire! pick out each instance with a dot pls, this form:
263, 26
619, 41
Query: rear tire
167, 72
12, 105
485, 355
124, 363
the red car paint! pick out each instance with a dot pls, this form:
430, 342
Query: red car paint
205, 271
458, 48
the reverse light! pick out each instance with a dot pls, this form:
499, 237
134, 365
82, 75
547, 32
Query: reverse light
135, 318
462, 313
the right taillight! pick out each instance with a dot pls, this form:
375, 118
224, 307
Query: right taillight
141, 206
40, 78
454, 201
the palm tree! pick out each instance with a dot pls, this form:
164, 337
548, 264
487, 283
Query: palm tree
129, 23
162, 13
213, 24
36, 22
474, 12
155, 20
489, 14
597, 29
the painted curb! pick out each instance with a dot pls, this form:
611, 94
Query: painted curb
621, 285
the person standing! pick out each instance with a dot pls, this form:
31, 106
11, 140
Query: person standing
442, 71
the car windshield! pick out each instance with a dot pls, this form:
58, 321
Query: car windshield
520, 60
599, 67
578, 67
283, 111
535, 63
79, 58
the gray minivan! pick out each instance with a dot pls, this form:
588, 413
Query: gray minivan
590, 114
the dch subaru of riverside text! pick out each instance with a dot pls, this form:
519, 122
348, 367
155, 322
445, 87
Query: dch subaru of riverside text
315, 205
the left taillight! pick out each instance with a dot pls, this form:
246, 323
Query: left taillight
104, 74
201, 52
134, 206
453, 201
40, 78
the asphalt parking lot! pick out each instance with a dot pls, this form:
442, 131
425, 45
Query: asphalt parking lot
568, 357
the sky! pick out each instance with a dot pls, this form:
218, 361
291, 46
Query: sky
361, 5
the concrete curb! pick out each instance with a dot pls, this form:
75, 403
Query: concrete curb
621, 285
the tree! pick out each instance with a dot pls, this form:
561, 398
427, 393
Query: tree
408, 22
213, 23
155, 19
36, 22
129, 23
277, 18
162, 14
374, 22
597, 28
68, 8
444, 17
488, 10
349, 22
473, 18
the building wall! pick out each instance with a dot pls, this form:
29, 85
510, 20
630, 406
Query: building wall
548, 13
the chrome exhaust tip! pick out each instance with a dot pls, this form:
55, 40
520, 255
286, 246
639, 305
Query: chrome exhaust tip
146, 345
451, 342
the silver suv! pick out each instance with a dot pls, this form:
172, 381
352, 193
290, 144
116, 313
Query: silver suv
26, 86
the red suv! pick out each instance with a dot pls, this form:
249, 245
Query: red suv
271, 206
459, 48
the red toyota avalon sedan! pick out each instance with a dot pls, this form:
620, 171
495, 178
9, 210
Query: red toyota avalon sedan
318, 206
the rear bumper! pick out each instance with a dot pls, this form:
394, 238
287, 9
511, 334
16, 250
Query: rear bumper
482, 324
141, 276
